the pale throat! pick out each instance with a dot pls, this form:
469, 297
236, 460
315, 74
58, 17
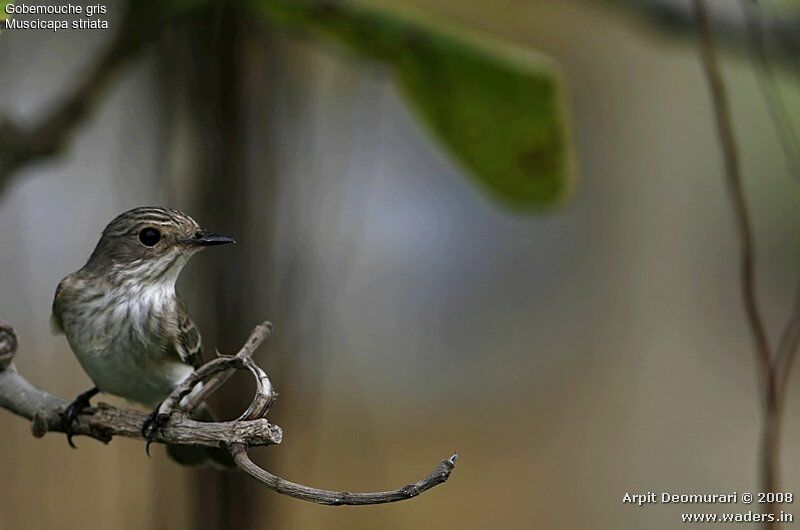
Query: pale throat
149, 284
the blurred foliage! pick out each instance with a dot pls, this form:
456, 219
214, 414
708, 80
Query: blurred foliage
159, 11
785, 7
496, 107
3, 14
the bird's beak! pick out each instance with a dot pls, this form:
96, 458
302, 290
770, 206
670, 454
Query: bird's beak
208, 239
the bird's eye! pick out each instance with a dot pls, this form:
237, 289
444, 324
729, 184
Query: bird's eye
198, 235
149, 236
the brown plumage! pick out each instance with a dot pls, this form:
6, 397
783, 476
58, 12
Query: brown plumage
120, 313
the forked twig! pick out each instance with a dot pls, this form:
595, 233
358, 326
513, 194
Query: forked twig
774, 367
103, 422
733, 177
216, 372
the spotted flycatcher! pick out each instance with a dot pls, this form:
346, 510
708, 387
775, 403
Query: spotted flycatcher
121, 315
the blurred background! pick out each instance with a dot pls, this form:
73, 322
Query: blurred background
592, 348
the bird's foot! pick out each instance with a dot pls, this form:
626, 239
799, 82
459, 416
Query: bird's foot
152, 425
72, 411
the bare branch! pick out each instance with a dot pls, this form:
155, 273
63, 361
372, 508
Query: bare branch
772, 369
103, 422
338, 498
20, 145
733, 177
19, 396
216, 372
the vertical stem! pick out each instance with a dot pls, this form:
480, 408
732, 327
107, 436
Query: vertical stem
210, 48
770, 444
772, 400
208, 57
225, 497
733, 177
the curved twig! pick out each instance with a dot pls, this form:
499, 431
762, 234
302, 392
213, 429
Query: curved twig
264, 396
103, 422
217, 371
339, 498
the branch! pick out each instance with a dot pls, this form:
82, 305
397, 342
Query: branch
20, 145
216, 372
338, 498
103, 422
733, 177
772, 377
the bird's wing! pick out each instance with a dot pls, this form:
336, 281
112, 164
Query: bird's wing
56, 325
187, 343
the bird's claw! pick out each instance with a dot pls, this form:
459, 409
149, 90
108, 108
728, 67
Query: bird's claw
70, 415
74, 409
152, 425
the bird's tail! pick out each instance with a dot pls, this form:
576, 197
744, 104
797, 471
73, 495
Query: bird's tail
193, 455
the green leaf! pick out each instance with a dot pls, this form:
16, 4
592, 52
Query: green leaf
497, 108
3, 14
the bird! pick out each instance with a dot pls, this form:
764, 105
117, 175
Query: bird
126, 324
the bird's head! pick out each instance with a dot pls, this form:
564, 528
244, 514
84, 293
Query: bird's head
150, 244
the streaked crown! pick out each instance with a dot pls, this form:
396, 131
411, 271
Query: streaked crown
149, 241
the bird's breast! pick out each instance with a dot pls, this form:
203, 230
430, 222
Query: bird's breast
121, 337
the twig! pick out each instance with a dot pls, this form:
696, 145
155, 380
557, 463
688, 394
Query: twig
20, 144
19, 396
217, 372
103, 422
734, 180
771, 375
338, 498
